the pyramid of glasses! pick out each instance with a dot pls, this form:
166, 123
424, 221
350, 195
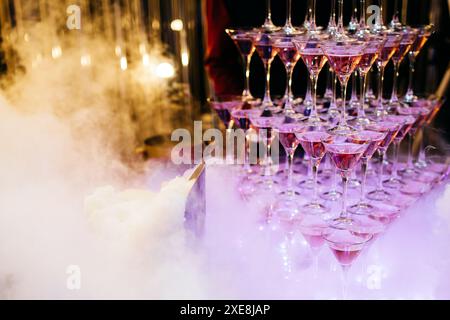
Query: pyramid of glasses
335, 143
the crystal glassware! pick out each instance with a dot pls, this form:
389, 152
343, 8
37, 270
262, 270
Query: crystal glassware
314, 59
266, 51
390, 129
268, 24
346, 246
286, 204
375, 43
390, 47
409, 36
424, 33
372, 139
343, 56
243, 40
289, 55
223, 105
313, 145
406, 123
345, 156
420, 114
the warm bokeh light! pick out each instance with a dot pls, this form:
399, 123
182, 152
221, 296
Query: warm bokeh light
165, 70
176, 25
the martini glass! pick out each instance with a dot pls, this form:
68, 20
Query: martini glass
223, 105
371, 51
421, 115
409, 36
244, 42
268, 24
345, 156
387, 52
424, 33
373, 139
241, 118
314, 59
312, 143
264, 126
288, 53
346, 247
344, 57
390, 129
310, 20
312, 226
406, 123
266, 51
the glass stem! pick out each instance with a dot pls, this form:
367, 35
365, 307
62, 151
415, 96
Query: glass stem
410, 92
288, 13
313, 114
354, 95
362, 21
410, 155
267, 99
269, 12
315, 169
380, 178
380, 106
313, 16
343, 122
288, 106
290, 159
344, 195
340, 26
246, 93
334, 89
394, 97
364, 165
361, 111
395, 164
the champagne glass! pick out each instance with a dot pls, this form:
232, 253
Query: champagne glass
344, 56
289, 55
409, 35
345, 156
420, 114
268, 24
390, 129
389, 49
346, 247
406, 123
286, 205
424, 33
223, 105
312, 143
373, 139
244, 42
266, 51
374, 46
314, 59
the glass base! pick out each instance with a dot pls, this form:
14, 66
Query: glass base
308, 184
354, 183
289, 194
361, 208
332, 195
285, 209
342, 130
379, 195
421, 164
409, 173
410, 98
393, 183
267, 184
314, 208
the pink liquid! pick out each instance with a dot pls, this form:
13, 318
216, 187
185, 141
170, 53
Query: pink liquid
314, 239
266, 51
289, 140
288, 54
344, 64
400, 54
346, 155
390, 129
312, 143
345, 256
372, 139
314, 60
367, 60
386, 54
